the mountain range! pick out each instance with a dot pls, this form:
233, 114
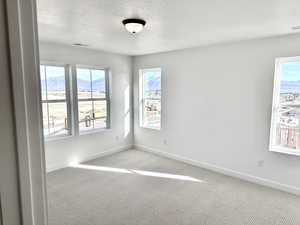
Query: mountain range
58, 84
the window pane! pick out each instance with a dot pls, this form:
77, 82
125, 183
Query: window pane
100, 109
151, 99
287, 116
100, 123
58, 124
98, 83
43, 82
152, 84
85, 114
45, 119
83, 83
151, 111
91, 84
100, 112
56, 85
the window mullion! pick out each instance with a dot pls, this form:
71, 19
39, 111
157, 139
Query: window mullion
92, 99
91, 84
75, 99
68, 100
93, 111
46, 87
107, 98
55, 101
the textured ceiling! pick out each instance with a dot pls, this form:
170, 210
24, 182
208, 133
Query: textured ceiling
171, 24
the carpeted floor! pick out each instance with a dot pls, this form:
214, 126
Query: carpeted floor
138, 188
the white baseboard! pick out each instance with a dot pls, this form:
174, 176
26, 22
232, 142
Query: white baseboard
91, 157
225, 171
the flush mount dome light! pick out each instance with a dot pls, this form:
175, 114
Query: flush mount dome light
134, 25
79, 45
296, 28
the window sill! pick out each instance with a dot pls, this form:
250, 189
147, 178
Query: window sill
57, 138
285, 150
151, 128
83, 133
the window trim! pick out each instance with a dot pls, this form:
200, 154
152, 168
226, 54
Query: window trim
276, 104
141, 98
76, 100
67, 100
72, 99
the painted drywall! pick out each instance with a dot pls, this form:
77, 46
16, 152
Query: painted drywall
62, 152
9, 200
216, 107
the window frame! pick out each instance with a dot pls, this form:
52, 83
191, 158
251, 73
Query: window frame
142, 99
76, 100
276, 104
67, 100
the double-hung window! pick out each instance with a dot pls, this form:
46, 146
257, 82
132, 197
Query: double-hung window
285, 125
93, 98
89, 109
55, 100
150, 98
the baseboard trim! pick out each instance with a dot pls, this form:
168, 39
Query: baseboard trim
225, 171
91, 157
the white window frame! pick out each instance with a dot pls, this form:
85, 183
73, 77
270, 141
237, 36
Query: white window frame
67, 100
141, 98
276, 104
72, 99
76, 100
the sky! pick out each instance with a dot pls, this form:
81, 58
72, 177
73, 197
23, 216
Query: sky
83, 74
53, 71
290, 71
152, 80
56, 78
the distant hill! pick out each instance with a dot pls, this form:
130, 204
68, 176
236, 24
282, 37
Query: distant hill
58, 84
99, 85
290, 86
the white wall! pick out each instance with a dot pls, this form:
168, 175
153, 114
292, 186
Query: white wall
60, 153
217, 107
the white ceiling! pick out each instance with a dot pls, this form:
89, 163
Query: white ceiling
171, 24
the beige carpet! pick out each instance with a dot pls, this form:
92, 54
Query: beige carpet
138, 188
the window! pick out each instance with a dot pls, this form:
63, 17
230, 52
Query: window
285, 125
90, 106
93, 99
150, 98
55, 104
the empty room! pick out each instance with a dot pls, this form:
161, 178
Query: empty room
137, 112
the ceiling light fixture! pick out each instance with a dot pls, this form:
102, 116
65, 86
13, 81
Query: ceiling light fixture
296, 28
79, 45
134, 25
